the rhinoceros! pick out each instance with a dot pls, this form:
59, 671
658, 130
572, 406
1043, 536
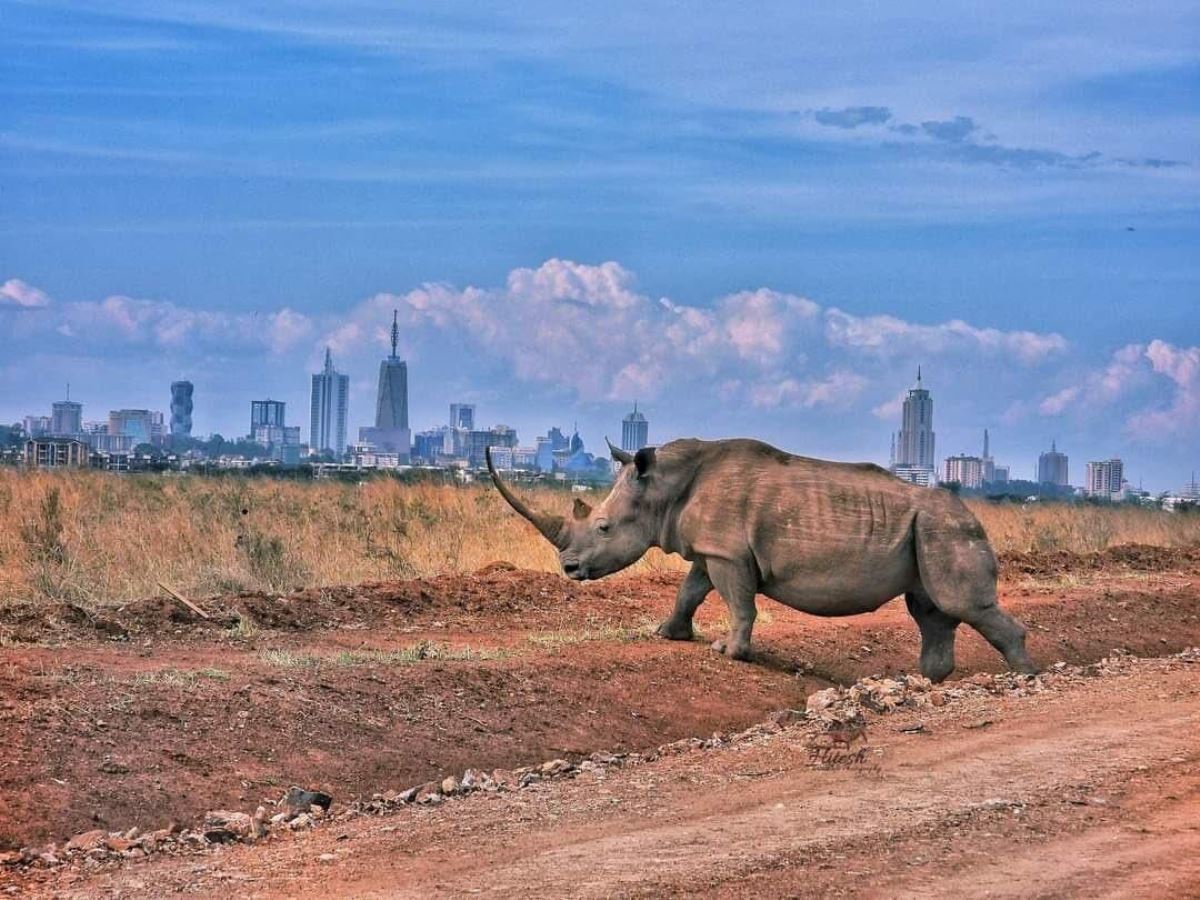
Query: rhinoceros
826, 538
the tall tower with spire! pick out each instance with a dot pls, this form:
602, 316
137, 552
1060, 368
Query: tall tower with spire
915, 442
635, 431
391, 432
330, 404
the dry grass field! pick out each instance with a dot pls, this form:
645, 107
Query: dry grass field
98, 538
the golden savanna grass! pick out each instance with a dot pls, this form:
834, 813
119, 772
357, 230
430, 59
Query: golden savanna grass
97, 537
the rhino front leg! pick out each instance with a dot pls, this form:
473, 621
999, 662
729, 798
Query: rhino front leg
691, 594
737, 586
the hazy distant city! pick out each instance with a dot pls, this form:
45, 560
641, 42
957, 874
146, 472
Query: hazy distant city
143, 439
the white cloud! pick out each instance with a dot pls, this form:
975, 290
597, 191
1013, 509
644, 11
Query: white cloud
888, 335
16, 292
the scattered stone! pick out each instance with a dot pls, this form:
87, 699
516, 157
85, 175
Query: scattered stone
112, 767
408, 796
234, 825
301, 800
450, 786
89, 840
326, 858
304, 820
428, 792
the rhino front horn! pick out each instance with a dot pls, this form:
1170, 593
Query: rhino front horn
624, 457
553, 528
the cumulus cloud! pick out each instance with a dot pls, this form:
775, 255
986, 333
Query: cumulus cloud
126, 322
889, 335
16, 293
853, 116
1155, 387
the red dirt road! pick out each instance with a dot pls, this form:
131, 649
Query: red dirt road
176, 717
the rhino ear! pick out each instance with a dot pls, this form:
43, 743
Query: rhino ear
644, 460
582, 510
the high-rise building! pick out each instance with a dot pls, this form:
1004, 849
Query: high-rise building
1191, 490
462, 415
181, 409
966, 470
330, 404
140, 425
36, 426
66, 417
390, 432
914, 445
988, 464
635, 431
1052, 467
267, 413
496, 436
1105, 478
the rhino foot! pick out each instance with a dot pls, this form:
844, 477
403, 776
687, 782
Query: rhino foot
675, 631
733, 651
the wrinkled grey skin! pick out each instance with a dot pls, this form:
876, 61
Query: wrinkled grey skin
831, 539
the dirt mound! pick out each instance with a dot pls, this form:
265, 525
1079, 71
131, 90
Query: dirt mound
1128, 558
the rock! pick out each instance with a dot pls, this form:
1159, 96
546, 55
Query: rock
304, 820
822, 700
937, 698
117, 844
428, 791
555, 767
326, 858
49, 859
450, 786
89, 840
473, 780
281, 818
238, 824
505, 779
12, 858
112, 767
785, 717
410, 795
301, 800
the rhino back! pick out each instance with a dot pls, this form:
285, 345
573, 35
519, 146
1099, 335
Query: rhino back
838, 531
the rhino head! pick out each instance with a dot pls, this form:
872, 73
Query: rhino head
597, 542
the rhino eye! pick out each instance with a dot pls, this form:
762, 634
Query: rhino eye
602, 527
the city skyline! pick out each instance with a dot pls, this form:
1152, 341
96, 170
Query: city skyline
581, 210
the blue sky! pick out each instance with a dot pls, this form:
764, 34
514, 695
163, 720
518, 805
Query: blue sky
755, 221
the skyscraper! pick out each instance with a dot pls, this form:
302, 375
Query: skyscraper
988, 464
330, 400
914, 454
462, 415
1105, 478
267, 413
635, 431
391, 405
181, 409
66, 416
1052, 467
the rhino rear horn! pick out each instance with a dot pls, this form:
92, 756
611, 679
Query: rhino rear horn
624, 457
553, 528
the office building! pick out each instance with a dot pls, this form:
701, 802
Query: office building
139, 425
462, 415
36, 426
330, 404
66, 417
478, 441
966, 470
913, 448
390, 432
267, 414
635, 431
1052, 467
56, 453
181, 409
1105, 478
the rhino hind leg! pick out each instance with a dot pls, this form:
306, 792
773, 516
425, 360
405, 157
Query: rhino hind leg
937, 636
691, 594
958, 572
737, 586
